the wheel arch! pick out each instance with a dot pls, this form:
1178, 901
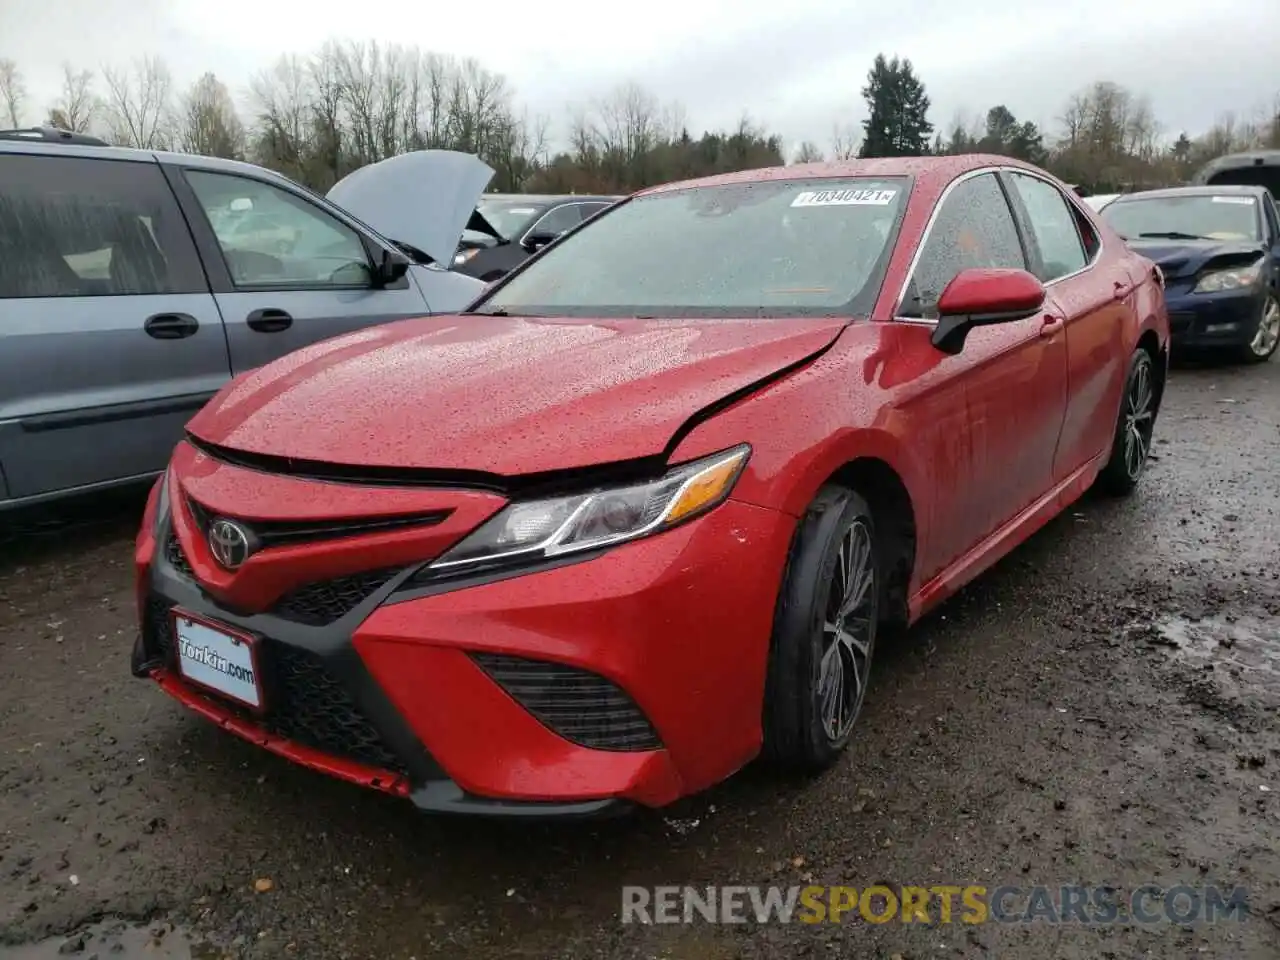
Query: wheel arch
1150, 342
896, 521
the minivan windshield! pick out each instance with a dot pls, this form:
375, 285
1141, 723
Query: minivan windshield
1227, 216
765, 248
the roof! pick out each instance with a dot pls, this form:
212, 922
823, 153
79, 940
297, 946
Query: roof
936, 169
1195, 191
550, 197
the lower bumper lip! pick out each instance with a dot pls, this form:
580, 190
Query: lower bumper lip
467, 745
1218, 318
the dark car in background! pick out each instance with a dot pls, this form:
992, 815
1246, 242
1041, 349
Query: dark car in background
508, 228
1219, 250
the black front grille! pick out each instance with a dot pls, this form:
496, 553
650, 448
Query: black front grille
580, 706
176, 557
315, 604
321, 603
304, 701
1181, 321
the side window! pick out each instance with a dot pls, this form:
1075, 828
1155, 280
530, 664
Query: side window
589, 210
1053, 225
75, 227
272, 237
562, 218
974, 228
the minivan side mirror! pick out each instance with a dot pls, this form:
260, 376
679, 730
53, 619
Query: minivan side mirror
391, 267
982, 297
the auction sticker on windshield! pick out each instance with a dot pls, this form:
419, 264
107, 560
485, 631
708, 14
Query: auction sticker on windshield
218, 659
844, 198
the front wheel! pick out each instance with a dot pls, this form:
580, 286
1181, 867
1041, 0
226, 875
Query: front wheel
1267, 337
1134, 427
824, 633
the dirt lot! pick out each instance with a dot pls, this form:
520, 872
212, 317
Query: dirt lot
1100, 709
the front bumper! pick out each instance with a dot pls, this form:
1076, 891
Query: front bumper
419, 693
1199, 321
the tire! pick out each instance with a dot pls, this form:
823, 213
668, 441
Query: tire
1267, 337
1136, 422
837, 527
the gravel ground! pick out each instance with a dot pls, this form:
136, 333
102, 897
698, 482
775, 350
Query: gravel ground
1099, 709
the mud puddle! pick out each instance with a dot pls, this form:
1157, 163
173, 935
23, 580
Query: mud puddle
118, 940
1240, 644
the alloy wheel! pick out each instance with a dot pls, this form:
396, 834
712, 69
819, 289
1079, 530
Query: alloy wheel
847, 633
1268, 335
1139, 417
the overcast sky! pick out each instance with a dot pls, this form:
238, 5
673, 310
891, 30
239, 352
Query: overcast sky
796, 66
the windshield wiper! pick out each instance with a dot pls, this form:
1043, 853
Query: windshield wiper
1172, 235
491, 312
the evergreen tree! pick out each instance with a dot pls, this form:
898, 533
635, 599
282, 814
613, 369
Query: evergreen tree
898, 122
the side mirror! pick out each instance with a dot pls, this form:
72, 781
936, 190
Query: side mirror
391, 267
981, 297
540, 239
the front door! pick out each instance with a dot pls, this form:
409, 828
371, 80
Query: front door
109, 337
285, 271
1010, 378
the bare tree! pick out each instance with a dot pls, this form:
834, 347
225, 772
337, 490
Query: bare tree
282, 99
208, 124
808, 152
77, 106
846, 138
139, 104
13, 92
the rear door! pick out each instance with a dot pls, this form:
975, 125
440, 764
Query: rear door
109, 336
1093, 299
285, 270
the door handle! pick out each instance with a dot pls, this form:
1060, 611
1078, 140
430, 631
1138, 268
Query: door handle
1051, 325
171, 326
269, 320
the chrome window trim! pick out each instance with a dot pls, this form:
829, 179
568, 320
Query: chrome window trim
937, 208
559, 206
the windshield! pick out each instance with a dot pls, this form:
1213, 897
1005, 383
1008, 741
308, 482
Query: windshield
510, 217
768, 248
1205, 217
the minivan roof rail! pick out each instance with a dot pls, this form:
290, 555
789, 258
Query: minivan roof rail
52, 135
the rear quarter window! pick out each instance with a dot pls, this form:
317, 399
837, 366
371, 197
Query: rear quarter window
75, 227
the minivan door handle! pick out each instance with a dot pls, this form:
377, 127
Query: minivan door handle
171, 326
269, 320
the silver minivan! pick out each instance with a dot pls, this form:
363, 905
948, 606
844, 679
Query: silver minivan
134, 284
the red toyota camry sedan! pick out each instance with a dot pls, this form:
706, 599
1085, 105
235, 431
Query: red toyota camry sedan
641, 513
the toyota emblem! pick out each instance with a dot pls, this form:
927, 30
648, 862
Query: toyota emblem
229, 543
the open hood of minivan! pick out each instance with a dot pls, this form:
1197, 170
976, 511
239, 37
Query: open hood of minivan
424, 199
1260, 168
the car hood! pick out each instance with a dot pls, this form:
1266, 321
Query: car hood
1186, 258
499, 395
424, 199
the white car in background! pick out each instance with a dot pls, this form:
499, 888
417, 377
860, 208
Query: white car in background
1100, 200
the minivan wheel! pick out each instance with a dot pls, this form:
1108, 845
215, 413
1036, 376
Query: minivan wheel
824, 633
1135, 427
1267, 337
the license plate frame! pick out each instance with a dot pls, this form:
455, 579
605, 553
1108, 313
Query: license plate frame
235, 646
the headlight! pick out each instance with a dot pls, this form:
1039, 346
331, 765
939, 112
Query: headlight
545, 529
462, 256
1237, 278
